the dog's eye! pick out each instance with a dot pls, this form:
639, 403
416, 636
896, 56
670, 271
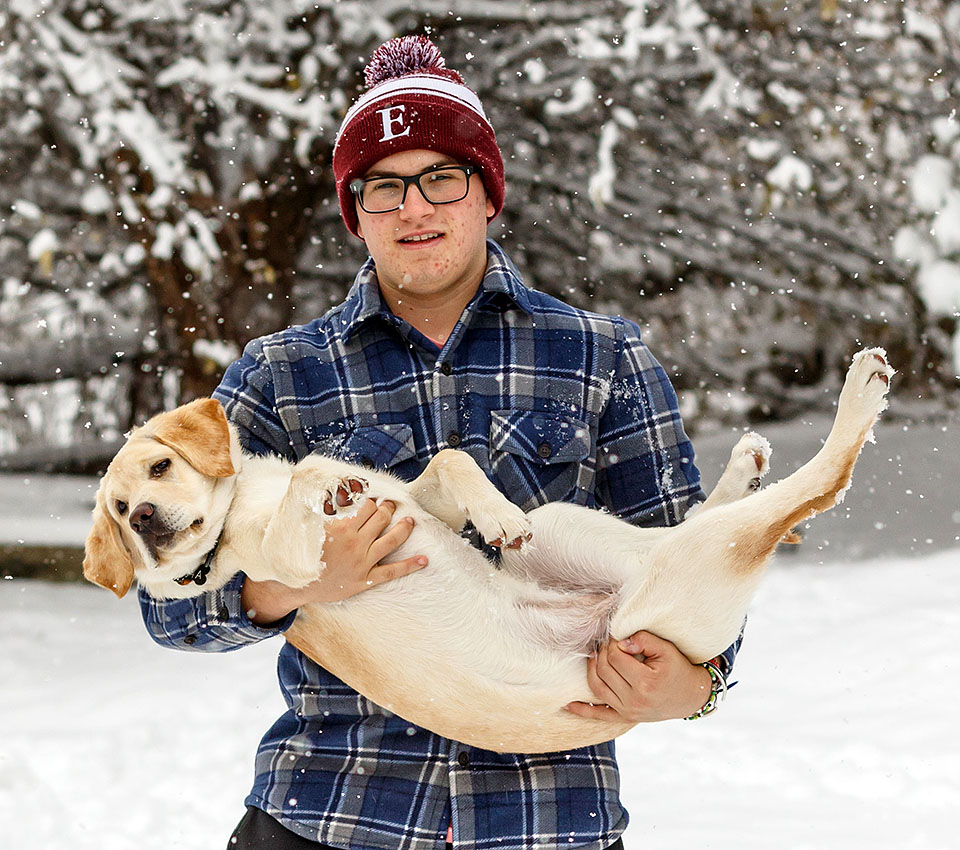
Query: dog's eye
160, 467
121, 508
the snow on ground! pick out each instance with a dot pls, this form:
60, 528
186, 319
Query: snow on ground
841, 732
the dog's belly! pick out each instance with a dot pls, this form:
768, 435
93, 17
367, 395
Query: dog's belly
426, 689
457, 646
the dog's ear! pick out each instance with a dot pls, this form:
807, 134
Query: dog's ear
106, 561
198, 431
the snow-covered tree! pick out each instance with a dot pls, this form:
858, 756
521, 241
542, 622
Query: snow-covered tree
762, 186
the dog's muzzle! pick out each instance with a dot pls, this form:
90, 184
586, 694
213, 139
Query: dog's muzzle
152, 530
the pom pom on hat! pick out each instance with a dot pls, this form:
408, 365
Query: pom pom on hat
414, 102
409, 54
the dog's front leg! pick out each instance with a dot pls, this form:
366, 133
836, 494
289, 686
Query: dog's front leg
454, 489
294, 537
749, 462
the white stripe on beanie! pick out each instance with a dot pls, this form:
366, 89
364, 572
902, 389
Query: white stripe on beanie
419, 84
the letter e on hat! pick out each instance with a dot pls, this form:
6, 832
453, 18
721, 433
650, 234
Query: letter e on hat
393, 116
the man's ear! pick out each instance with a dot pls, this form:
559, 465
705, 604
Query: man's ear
106, 561
198, 431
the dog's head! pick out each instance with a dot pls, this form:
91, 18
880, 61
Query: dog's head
163, 499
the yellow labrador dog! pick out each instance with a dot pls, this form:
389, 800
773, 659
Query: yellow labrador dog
485, 656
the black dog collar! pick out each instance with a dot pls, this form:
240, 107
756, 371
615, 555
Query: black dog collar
199, 575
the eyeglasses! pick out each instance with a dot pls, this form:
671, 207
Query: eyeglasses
444, 185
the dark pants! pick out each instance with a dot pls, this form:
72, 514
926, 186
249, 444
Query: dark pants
258, 831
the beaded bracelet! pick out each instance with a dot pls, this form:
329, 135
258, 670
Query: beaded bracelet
718, 690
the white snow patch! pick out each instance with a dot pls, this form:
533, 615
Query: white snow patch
918, 24
727, 91
602, 181
582, 94
913, 246
111, 264
763, 148
164, 242
535, 70
929, 181
946, 224
896, 143
43, 243
946, 128
220, 352
939, 286
790, 173
96, 200
250, 192
791, 98
134, 254
27, 209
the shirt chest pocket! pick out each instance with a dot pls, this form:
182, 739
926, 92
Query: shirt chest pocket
539, 457
385, 446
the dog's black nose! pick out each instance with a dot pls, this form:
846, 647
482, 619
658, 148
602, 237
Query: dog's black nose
141, 517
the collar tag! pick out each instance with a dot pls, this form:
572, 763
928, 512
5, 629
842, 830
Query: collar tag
199, 575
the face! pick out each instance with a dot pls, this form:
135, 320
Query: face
449, 263
162, 503
158, 501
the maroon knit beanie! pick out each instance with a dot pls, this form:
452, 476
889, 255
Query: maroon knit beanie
413, 102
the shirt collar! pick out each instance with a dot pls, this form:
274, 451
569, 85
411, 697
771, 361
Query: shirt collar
501, 278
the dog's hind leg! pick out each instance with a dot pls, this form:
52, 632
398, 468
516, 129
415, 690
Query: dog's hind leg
822, 482
701, 577
454, 489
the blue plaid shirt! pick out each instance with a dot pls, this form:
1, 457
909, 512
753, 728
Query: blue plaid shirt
554, 403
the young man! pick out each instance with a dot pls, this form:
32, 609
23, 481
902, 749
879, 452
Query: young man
440, 344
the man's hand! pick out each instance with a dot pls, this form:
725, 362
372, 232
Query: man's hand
642, 679
353, 548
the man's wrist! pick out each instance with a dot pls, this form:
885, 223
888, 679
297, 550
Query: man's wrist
267, 602
718, 690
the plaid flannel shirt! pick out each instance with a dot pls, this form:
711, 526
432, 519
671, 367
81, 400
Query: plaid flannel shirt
554, 403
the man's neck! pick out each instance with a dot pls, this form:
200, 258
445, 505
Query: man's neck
434, 316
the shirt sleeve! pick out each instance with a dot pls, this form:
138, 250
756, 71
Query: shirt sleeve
645, 467
248, 396
215, 621
645, 462
212, 622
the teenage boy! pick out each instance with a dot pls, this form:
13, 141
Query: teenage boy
438, 344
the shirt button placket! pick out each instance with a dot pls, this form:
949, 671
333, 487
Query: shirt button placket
445, 395
461, 778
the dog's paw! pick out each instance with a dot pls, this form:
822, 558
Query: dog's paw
865, 388
342, 493
749, 462
501, 523
326, 494
750, 459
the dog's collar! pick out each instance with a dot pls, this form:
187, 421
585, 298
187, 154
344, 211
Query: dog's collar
199, 575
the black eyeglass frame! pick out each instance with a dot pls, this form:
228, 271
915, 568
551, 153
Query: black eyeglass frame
356, 186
